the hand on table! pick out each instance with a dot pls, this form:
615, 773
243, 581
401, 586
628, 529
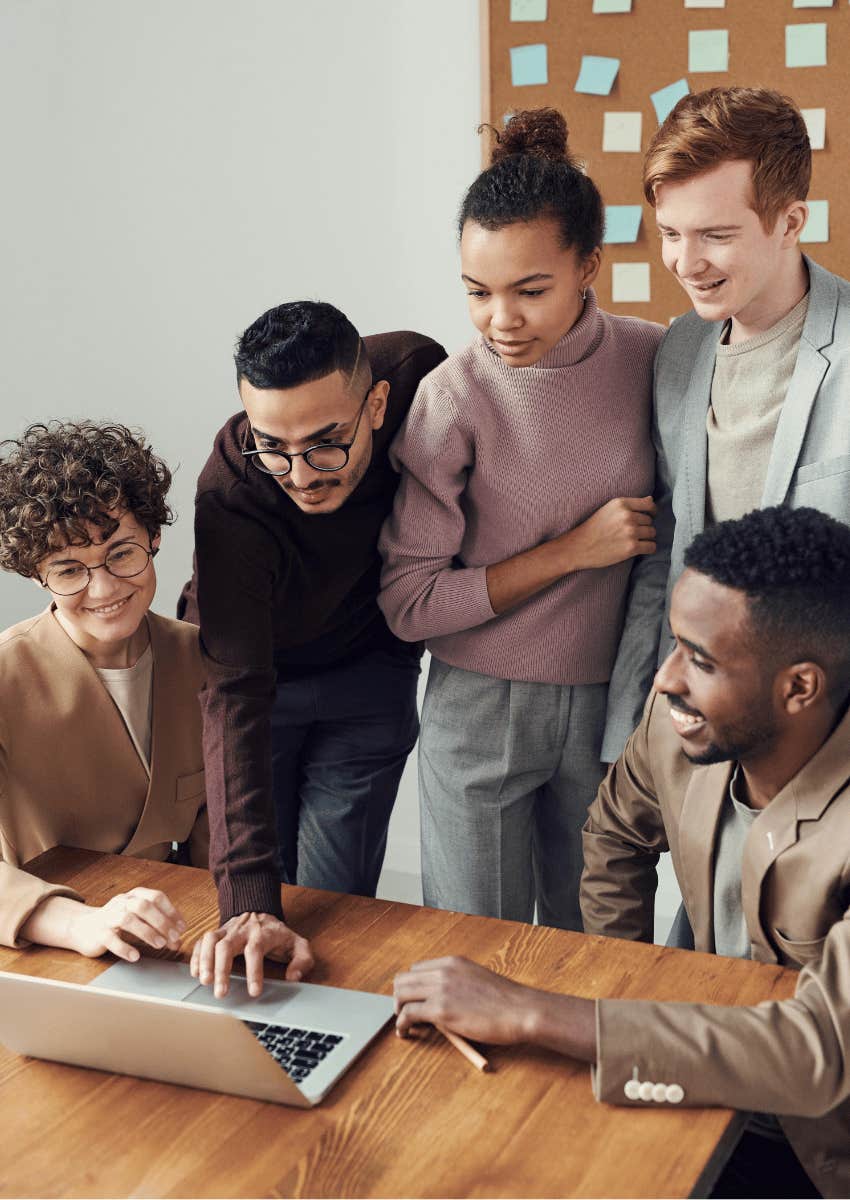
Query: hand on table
256, 936
143, 914
465, 998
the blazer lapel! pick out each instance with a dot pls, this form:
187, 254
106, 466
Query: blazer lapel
809, 370
693, 476
706, 794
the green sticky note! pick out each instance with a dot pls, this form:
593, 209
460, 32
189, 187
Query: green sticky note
597, 74
528, 10
529, 65
805, 45
708, 50
817, 226
666, 99
622, 222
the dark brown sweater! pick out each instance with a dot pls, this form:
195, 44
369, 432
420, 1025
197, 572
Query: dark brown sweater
278, 592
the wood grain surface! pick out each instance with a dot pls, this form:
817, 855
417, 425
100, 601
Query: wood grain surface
411, 1118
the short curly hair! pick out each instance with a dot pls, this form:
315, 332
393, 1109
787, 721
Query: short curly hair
793, 564
58, 478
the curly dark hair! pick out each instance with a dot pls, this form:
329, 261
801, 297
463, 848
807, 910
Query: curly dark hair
793, 564
57, 478
296, 343
532, 174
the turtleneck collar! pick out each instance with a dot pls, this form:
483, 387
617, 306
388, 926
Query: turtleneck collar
576, 344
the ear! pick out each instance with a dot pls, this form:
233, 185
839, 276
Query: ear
802, 686
792, 222
155, 541
590, 267
378, 396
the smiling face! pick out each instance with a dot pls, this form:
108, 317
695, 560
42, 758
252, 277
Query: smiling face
312, 414
107, 618
721, 700
715, 245
524, 288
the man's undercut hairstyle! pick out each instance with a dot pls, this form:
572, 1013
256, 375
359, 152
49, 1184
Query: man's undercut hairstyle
533, 176
58, 478
298, 343
733, 124
793, 565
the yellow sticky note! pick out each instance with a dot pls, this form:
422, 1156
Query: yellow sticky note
630, 283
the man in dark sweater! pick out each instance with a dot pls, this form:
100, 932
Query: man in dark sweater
309, 703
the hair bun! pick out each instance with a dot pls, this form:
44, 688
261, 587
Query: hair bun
538, 131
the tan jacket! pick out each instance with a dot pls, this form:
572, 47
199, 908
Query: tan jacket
788, 1057
69, 772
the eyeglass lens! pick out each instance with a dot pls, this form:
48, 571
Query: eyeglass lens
124, 562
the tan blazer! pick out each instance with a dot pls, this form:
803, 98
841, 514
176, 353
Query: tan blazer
790, 1057
69, 771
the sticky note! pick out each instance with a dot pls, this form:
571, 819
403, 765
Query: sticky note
817, 227
630, 282
705, 3
528, 65
597, 75
612, 6
668, 97
622, 222
622, 131
813, 3
528, 10
708, 50
805, 45
815, 119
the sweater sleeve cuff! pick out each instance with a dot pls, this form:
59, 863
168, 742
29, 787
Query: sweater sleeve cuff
249, 891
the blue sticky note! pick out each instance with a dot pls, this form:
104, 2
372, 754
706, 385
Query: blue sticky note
597, 75
805, 45
666, 99
816, 228
529, 65
622, 222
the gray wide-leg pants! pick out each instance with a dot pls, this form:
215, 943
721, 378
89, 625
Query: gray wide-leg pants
506, 773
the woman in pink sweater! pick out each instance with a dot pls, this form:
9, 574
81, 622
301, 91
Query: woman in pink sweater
527, 470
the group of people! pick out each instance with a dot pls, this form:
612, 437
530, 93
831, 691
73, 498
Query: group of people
622, 545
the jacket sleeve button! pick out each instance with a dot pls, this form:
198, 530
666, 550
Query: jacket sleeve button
632, 1090
645, 1090
659, 1093
675, 1093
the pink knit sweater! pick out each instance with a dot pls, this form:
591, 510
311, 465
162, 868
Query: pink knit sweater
496, 459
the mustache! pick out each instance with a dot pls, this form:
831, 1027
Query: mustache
675, 702
314, 487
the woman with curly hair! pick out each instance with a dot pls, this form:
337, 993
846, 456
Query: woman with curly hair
526, 472
100, 737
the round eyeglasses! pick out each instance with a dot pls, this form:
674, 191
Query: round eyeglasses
324, 456
70, 576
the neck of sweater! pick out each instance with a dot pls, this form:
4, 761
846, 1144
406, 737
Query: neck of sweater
578, 343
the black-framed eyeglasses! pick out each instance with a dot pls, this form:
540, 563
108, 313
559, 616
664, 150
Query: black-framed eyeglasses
124, 561
324, 456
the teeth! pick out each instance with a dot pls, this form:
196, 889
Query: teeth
684, 719
110, 608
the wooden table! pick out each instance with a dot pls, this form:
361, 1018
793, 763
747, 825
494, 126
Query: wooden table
411, 1118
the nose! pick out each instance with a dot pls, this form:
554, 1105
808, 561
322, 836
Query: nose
505, 315
301, 474
668, 678
102, 585
690, 260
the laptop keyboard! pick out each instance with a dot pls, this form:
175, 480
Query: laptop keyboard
298, 1051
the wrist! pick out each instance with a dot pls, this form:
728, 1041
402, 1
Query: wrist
569, 557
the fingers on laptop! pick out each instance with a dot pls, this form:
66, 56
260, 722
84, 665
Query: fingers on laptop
257, 936
145, 916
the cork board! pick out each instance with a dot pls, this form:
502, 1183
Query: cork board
652, 43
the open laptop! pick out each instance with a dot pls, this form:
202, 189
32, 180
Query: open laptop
152, 1019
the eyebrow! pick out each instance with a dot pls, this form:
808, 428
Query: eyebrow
704, 229
516, 283
60, 562
697, 649
311, 437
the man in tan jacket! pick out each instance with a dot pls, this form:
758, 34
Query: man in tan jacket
741, 769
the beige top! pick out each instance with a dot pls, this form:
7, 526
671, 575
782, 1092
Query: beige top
132, 690
70, 773
747, 393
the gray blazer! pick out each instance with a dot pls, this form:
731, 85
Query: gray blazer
809, 465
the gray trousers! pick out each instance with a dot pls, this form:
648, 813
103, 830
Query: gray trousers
506, 773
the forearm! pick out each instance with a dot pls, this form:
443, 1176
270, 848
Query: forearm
54, 923
565, 1024
516, 579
